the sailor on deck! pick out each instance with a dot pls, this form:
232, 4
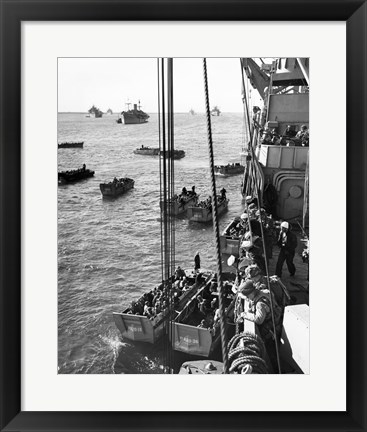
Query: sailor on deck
287, 242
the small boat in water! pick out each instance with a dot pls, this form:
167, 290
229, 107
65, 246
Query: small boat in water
203, 211
72, 176
229, 169
140, 322
116, 187
231, 237
196, 329
147, 151
71, 145
177, 154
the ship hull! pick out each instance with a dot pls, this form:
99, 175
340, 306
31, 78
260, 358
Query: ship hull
128, 121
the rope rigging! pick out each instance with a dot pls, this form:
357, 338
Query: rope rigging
215, 223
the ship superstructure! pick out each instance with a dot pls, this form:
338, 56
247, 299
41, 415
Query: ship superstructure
280, 134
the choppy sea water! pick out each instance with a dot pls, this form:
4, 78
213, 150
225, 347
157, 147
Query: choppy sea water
109, 250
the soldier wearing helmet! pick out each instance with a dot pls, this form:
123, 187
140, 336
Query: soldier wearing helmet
287, 242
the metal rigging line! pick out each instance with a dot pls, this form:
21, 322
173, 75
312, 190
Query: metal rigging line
166, 171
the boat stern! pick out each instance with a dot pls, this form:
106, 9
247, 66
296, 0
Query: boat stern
136, 327
191, 340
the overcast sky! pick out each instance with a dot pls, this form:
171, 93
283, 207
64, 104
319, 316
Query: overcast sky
110, 82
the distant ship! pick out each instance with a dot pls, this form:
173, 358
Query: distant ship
215, 111
96, 111
192, 112
133, 116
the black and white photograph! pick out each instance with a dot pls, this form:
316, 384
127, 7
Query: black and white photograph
183, 215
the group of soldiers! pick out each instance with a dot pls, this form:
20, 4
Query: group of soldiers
290, 137
248, 229
208, 203
257, 233
121, 181
256, 303
158, 300
185, 195
208, 304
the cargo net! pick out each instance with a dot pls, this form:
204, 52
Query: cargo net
246, 352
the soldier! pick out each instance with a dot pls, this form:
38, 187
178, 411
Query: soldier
223, 193
197, 262
258, 309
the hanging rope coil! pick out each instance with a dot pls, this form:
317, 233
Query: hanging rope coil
246, 351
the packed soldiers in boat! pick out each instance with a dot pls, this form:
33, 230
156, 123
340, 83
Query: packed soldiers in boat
78, 170
208, 202
119, 182
157, 301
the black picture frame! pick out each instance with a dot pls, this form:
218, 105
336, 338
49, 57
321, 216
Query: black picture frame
354, 13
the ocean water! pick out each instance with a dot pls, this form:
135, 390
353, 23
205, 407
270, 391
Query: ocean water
109, 250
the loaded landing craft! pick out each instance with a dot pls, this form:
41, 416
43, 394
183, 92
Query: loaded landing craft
73, 176
180, 203
229, 169
137, 326
147, 151
116, 187
195, 329
71, 145
203, 211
